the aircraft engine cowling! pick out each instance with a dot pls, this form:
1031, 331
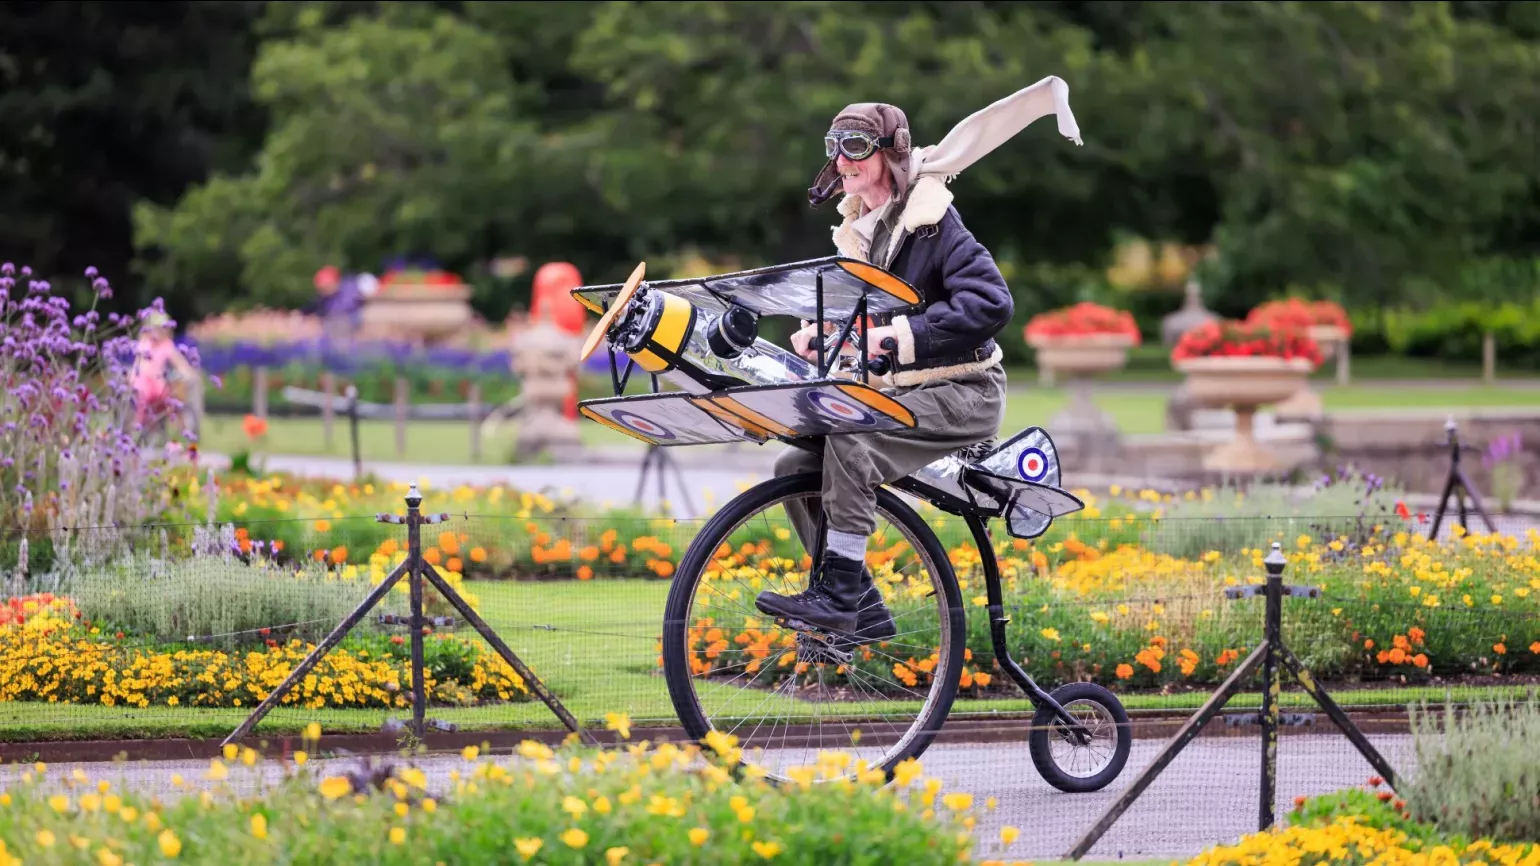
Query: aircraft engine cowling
703, 350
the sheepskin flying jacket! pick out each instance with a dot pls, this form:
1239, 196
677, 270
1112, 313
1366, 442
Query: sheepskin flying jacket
965, 301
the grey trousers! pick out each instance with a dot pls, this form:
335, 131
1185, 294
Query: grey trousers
950, 414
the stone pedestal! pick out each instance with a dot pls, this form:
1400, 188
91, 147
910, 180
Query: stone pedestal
1079, 359
544, 359
1244, 385
418, 314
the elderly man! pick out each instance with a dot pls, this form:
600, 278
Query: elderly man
945, 364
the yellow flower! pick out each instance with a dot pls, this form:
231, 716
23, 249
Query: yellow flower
614, 855
230, 751
397, 835
1051, 633
430, 805
259, 826
469, 753
59, 803
527, 848
300, 758
217, 770
620, 723
45, 838
957, 801
333, 787
698, 836
574, 838
170, 845
574, 807
313, 731
1008, 835
767, 850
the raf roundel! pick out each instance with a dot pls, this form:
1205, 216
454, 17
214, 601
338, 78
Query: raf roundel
840, 410
1032, 464
642, 425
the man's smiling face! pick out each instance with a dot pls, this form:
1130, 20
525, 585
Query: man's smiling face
868, 178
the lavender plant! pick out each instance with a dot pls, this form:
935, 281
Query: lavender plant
1502, 460
71, 469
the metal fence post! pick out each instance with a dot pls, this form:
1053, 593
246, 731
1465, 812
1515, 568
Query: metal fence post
1272, 625
414, 523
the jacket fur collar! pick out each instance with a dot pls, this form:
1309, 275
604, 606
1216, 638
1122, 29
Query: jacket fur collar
925, 206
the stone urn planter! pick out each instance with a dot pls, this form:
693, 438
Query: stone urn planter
1305, 404
418, 313
1080, 358
1243, 384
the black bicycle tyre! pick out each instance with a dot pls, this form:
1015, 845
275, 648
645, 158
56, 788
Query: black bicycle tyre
676, 669
1044, 719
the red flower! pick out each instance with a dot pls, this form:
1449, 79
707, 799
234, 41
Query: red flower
1083, 319
1224, 339
1402, 511
1300, 314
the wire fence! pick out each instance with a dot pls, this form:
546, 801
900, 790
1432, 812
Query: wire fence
177, 631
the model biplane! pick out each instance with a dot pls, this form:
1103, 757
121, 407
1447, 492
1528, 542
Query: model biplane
702, 336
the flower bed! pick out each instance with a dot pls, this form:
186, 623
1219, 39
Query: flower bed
1110, 611
1361, 826
642, 804
1082, 320
1230, 339
49, 653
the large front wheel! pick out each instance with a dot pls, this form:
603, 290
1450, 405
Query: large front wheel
789, 695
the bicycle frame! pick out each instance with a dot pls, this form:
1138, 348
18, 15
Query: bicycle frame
978, 525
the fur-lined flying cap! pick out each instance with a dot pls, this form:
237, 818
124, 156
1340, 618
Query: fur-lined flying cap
879, 120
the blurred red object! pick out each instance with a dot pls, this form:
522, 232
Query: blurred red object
553, 299
328, 277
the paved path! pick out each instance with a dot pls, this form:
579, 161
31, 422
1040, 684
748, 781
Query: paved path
1207, 796
611, 478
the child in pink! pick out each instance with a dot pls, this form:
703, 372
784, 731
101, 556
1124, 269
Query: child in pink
154, 353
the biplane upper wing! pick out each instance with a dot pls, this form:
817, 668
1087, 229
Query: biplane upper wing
782, 290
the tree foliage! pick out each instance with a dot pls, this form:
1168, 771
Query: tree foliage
1368, 151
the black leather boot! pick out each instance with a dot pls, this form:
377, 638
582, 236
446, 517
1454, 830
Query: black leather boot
874, 622
830, 603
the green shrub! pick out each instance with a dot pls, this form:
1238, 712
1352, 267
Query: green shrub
220, 596
1478, 773
659, 805
1233, 518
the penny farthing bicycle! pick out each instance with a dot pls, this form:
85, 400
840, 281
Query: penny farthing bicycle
787, 691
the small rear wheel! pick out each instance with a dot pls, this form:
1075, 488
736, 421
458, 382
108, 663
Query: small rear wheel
1061, 757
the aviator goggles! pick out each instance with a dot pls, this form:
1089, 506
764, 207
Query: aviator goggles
855, 145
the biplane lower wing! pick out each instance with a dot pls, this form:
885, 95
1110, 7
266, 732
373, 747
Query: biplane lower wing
827, 407
670, 419
755, 413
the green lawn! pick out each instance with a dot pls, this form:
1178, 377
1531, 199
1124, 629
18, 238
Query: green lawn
1134, 411
595, 645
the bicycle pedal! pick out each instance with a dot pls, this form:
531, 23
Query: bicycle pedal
818, 649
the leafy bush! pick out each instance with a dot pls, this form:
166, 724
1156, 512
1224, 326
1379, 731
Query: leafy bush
219, 595
1345, 505
643, 804
1478, 773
